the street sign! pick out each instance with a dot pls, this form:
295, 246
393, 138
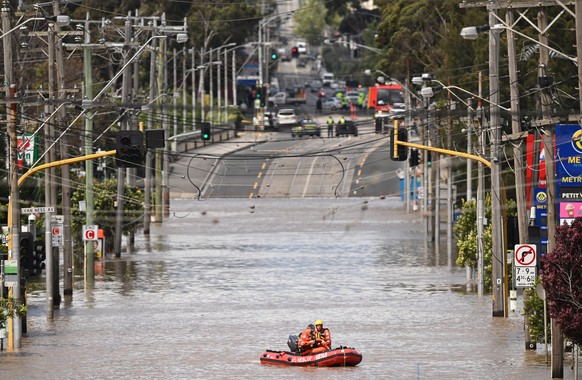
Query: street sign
90, 233
10, 267
525, 255
525, 277
57, 225
37, 210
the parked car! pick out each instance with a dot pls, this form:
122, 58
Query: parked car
306, 127
286, 116
353, 96
349, 128
331, 103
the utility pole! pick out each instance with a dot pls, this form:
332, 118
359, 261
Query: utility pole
15, 330
65, 172
480, 194
522, 211
89, 267
54, 252
165, 122
148, 160
124, 126
450, 186
548, 139
498, 247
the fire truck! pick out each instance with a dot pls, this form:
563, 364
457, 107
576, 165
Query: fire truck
385, 97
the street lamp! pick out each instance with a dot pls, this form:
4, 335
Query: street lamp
201, 84
498, 246
407, 102
60, 21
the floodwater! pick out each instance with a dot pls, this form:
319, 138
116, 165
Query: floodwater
224, 279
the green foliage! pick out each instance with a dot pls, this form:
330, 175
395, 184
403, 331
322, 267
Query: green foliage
533, 307
561, 276
105, 210
465, 231
310, 21
10, 309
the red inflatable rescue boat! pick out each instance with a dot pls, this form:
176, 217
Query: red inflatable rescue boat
338, 357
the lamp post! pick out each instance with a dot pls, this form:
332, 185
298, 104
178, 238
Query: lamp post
499, 286
226, 51
210, 64
408, 106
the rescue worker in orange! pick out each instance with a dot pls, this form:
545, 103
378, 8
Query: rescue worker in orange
323, 336
307, 340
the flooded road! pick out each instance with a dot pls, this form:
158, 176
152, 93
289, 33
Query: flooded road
224, 279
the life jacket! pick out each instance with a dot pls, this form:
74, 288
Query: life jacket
324, 335
306, 340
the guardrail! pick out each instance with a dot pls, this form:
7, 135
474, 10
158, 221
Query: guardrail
192, 140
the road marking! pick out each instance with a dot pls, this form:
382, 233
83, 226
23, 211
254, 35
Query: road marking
255, 185
260, 175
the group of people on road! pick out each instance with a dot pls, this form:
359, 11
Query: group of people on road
314, 339
330, 124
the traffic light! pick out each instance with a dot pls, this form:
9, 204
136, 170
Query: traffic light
26, 251
129, 149
295, 52
263, 99
39, 257
205, 131
274, 56
401, 150
414, 158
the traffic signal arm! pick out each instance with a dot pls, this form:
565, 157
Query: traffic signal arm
64, 162
447, 152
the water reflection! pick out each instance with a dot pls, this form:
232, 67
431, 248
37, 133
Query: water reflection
209, 291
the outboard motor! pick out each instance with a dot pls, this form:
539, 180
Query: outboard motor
293, 343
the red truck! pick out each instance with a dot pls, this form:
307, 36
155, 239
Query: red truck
383, 97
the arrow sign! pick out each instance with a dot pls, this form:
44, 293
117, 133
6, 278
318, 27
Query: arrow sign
525, 255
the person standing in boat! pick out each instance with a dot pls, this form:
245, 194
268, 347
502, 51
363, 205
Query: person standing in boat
322, 336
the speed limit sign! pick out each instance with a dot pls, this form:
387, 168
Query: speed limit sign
90, 233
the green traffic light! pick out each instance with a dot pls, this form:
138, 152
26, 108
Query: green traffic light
273, 56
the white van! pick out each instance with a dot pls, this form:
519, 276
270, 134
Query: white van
327, 79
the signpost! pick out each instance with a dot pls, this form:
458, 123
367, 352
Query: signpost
57, 225
37, 210
525, 261
90, 233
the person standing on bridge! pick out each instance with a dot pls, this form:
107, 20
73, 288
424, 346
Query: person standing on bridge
330, 126
318, 106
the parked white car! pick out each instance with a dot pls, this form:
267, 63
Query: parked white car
331, 103
286, 116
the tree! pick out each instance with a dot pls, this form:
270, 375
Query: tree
465, 231
105, 214
310, 21
561, 274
